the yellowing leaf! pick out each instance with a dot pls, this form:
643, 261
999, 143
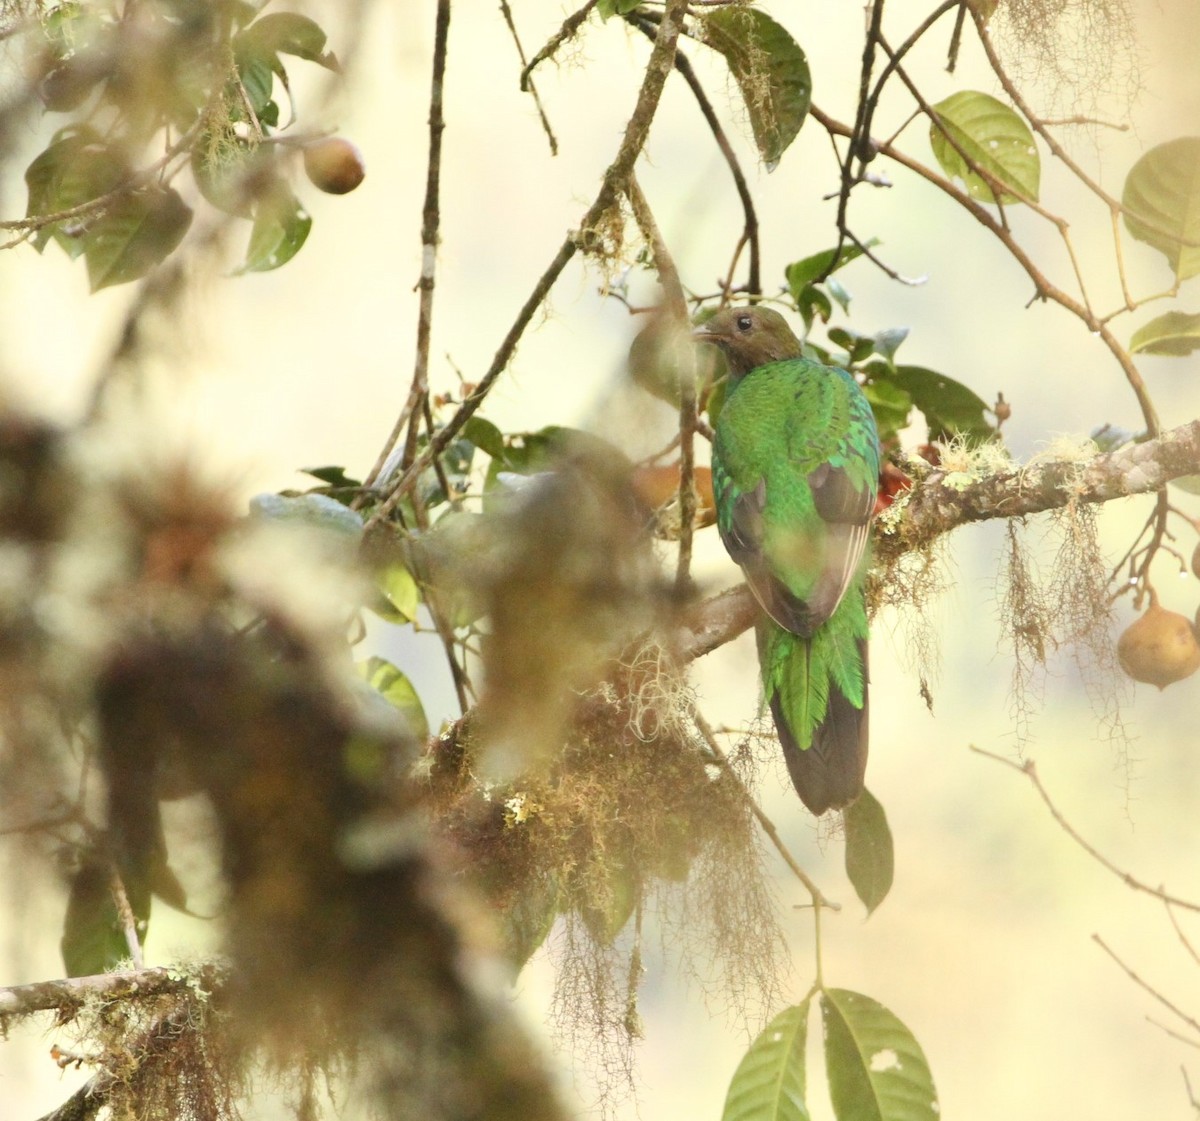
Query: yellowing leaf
1162, 202
994, 139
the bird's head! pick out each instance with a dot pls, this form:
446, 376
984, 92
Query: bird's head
749, 337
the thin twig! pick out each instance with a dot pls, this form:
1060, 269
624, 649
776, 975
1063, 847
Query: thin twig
527, 80
1189, 1020
1044, 288
657, 69
768, 826
430, 220
677, 316
750, 215
1030, 771
567, 31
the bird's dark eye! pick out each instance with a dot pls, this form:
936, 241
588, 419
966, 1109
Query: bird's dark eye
744, 322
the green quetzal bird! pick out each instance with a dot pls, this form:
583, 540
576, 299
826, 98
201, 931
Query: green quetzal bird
795, 467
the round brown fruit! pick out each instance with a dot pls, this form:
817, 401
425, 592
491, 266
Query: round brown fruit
334, 165
1196, 561
1159, 648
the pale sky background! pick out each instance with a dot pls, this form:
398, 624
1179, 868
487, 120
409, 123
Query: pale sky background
984, 947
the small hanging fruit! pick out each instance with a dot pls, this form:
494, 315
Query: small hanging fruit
334, 165
1159, 648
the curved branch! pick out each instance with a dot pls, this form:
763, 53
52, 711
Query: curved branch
937, 505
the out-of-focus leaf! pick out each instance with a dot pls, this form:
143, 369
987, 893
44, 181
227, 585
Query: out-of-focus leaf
75, 168
395, 687
136, 233
605, 917
870, 860
770, 1083
610, 8
876, 1068
93, 939
333, 476
401, 591
771, 70
281, 226
1162, 202
287, 33
316, 510
994, 137
485, 436
1177, 333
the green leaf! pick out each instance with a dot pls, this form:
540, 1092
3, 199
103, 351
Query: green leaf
857, 346
891, 405
994, 138
870, 860
93, 938
397, 690
1162, 202
1177, 333
280, 229
606, 912
287, 33
877, 1070
771, 70
801, 273
485, 436
333, 476
609, 8
769, 1083
950, 408
401, 590
75, 168
135, 234
813, 303
1189, 484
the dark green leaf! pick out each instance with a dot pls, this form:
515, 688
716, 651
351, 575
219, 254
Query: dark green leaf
93, 939
610, 8
857, 346
485, 436
891, 405
870, 861
877, 1070
807, 269
1177, 333
950, 408
1162, 202
280, 229
994, 138
76, 168
812, 303
134, 235
398, 691
333, 476
771, 70
770, 1082
287, 33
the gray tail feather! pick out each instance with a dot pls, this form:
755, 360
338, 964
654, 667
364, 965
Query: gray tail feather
829, 774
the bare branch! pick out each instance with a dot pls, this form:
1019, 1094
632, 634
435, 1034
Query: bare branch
1030, 771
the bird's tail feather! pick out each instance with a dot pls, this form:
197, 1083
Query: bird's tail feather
817, 690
